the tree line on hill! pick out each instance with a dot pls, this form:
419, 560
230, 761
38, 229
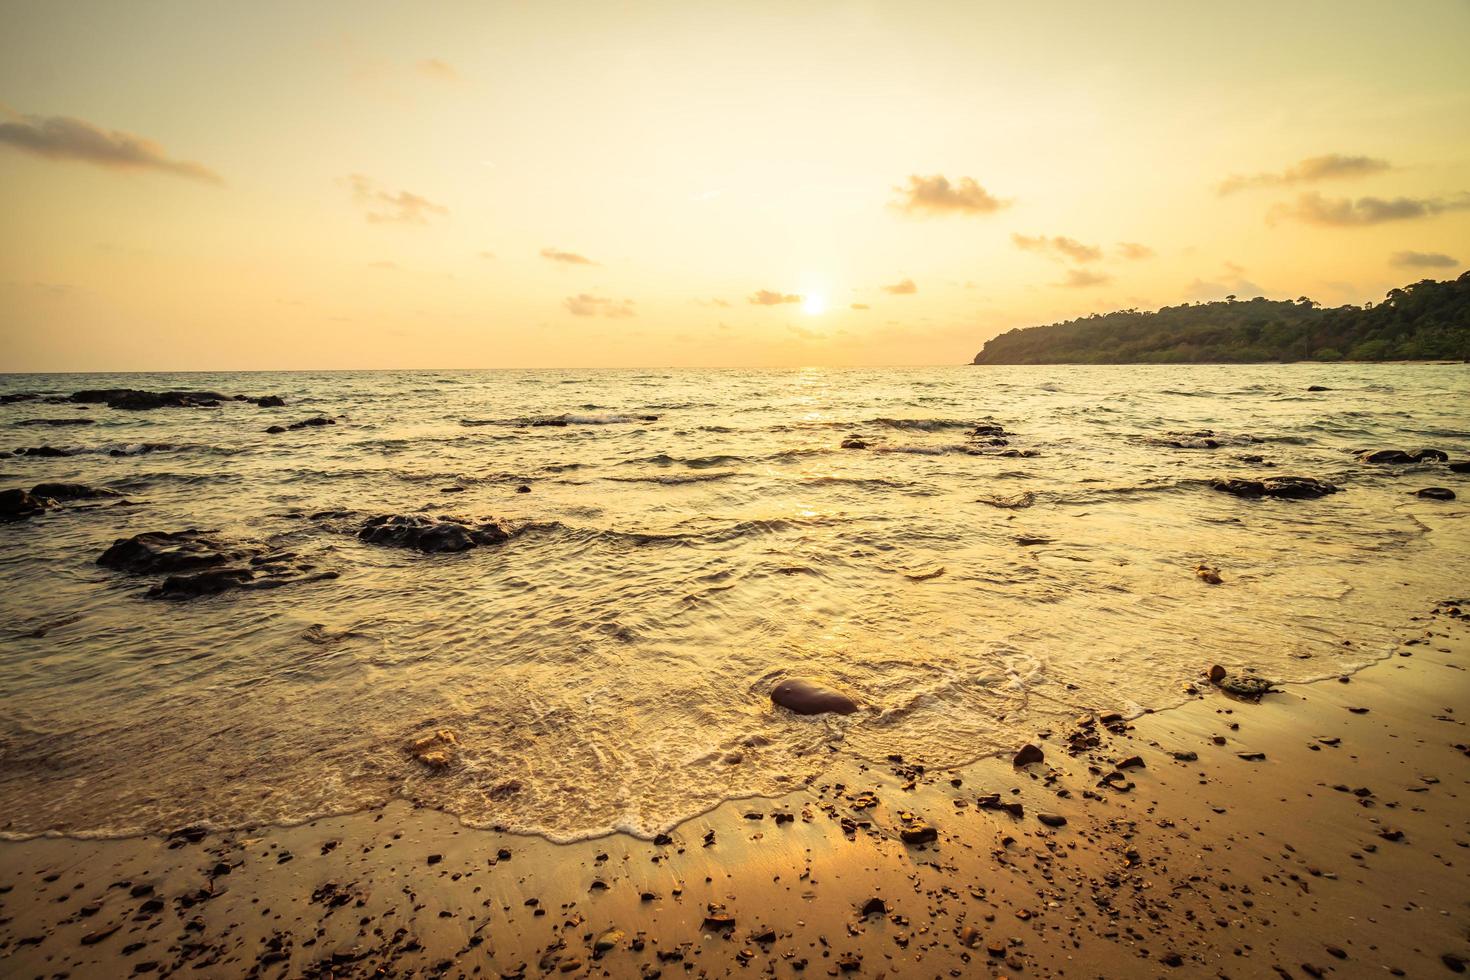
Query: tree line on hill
1426, 320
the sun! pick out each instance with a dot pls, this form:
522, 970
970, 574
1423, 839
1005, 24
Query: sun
813, 304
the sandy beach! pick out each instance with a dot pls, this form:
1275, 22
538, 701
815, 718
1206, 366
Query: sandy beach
1320, 832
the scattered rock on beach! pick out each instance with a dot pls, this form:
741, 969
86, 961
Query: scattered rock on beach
1028, 755
1052, 819
1247, 687
431, 535
1436, 493
1208, 575
808, 698
161, 552
436, 750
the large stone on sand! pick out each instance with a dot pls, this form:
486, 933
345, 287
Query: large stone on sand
808, 698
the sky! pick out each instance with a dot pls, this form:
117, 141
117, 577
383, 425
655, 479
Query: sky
271, 185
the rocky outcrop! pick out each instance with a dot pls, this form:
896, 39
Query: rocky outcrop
135, 399
45, 452
199, 565
1201, 439
17, 505
1436, 493
72, 491
1398, 456
314, 422
809, 698
432, 535
1288, 487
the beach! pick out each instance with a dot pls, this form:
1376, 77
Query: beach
1320, 832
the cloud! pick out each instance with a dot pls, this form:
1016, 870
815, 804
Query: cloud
1058, 246
1343, 212
1135, 251
936, 195
437, 69
1330, 166
383, 264
64, 138
1233, 283
382, 207
570, 258
1081, 279
585, 304
860, 306
768, 297
904, 288
1424, 260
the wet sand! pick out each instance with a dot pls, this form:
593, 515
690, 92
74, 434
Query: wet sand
1322, 832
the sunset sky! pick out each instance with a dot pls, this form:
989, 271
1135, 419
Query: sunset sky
309, 185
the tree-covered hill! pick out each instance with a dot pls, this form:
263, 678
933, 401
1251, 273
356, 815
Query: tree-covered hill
1427, 320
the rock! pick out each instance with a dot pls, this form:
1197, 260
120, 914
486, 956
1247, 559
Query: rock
918, 833
71, 421
1317, 388
270, 401
1288, 487
159, 552
1460, 466
808, 698
17, 505
523, 489
1217, 674
431, 535
718, 919
1052, 819
609, 940
1399, 457
46, 452
1436, 493
134, 399
853, 442
875, 906
1245, 686
1132, 762
1186, 756
437, 750
1014, 501
72, 491
1028, 755
315, 422
197, 565
1208, 575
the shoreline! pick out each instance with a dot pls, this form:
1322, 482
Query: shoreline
1226, 864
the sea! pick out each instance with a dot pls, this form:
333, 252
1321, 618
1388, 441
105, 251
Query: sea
687, 540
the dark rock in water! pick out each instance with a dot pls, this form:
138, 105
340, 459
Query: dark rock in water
431, 534
1460, 466
853, 442
141, 448
1398, 456
807, 698
523, 489
72, 491
1018, 453
134, 399
316, 421
556, 423
451, 489
17, 505
18, 396
1028, 755
1014, 501
162, 552
270, 401
50, 452
73, 421
1318, 388
988, 429
1289, 487
197, 565
1437, 493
